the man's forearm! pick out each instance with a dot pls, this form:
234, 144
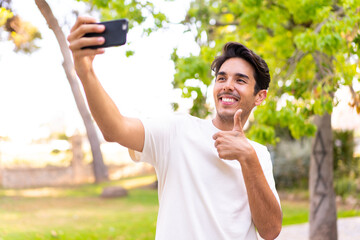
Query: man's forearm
265, 210
101, 106
114, 126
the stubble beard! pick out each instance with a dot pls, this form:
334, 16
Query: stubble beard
226, 119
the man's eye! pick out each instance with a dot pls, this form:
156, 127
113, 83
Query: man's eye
241, 81
221, 79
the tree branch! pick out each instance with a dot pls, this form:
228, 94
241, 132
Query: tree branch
221, 24
291, 63
100, 170
355, 97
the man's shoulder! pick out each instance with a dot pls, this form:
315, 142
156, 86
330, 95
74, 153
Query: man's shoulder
183, 117
187, 121
177, 122
169, 120
163, 118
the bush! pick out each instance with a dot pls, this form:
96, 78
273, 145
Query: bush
344, 161
291, 159
346, 166
345, 186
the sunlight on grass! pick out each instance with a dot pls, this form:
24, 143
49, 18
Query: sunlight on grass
38, 192
81, 190
137, 182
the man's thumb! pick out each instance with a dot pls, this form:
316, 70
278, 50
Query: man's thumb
237, 121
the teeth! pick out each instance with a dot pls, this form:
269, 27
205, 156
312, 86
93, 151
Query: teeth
229, 100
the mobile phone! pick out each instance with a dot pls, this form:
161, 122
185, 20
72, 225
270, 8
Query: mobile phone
115, 33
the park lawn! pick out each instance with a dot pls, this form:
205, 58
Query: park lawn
80, 218
297, 212
78, 213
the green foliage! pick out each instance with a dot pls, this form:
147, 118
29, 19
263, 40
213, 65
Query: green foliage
259, 132
308, 45
129, 53
23, 34
291, 160
136, 11
193, 77
269, 120
345, 186
343, 142
346, 166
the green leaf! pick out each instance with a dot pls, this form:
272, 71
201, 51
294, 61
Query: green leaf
129, 53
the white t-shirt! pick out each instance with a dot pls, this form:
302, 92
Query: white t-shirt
201, 197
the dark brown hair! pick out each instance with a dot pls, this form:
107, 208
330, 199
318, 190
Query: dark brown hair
233, 50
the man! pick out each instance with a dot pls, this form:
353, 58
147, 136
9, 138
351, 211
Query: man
213, 182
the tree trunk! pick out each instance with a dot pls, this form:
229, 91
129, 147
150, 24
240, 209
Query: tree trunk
100, 170
322, 196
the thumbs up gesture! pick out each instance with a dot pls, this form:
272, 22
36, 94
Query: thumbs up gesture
233, 145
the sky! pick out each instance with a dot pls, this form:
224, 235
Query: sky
35, 97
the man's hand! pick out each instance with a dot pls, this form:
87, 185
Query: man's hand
233, 145
83, 58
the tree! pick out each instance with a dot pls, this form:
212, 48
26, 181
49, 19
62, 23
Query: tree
24, 34
311, 47
136, 11
100, 170
109, 10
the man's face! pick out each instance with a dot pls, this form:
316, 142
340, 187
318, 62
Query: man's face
234, 89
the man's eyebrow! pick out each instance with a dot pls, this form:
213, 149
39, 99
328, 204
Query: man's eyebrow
236, 74
242, 75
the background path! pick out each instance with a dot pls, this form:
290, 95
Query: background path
348, 229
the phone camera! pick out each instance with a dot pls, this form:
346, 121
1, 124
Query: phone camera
124, 26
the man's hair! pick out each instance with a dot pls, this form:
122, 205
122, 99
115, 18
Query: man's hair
233, 50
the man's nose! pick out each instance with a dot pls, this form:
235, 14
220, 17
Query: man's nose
228, 85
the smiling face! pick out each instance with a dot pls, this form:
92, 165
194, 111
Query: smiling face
234, 89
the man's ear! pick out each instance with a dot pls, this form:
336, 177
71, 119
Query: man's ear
260, 97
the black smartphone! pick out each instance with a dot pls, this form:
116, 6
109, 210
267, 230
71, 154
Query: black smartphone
114, 34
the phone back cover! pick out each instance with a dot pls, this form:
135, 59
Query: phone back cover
114, 34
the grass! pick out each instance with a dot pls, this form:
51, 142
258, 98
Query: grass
80, 218
297, 212
77, 213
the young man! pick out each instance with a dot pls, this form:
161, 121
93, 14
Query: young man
214, 183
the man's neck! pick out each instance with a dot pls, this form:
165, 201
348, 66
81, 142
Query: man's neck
226, 124
222, 124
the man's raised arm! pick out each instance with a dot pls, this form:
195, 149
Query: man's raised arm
115, 127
